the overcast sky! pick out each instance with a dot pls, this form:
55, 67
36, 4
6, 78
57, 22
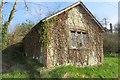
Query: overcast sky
38, 10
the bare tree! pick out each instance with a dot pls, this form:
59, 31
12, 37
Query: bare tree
105, 22
55, 10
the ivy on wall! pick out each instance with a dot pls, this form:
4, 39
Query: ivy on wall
44, 32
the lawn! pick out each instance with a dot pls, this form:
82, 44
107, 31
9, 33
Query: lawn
108, 70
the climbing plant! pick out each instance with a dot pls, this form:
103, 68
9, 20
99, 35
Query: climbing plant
7, 24
44, 32
5, 36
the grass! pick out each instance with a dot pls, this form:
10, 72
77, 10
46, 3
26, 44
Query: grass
16, 74
108, 70
28, 70
16, 65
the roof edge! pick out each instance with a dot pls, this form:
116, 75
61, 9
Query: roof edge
71, 6
61, 11
93, 17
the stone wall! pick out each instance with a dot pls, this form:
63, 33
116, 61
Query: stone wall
32, 45
59, 51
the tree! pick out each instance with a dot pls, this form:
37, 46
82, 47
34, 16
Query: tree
1, 9
7, 24
104, 22
119, 37
111, 40
19, 33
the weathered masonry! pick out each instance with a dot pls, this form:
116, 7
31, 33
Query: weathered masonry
71, 36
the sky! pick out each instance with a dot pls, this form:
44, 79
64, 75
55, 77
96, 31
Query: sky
39, 10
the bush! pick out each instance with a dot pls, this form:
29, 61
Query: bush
19, 33
110, 42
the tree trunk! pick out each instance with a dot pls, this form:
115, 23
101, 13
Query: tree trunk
1, 9
119, 37
6, 25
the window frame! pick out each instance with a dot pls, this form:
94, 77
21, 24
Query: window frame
76, 36
72, 40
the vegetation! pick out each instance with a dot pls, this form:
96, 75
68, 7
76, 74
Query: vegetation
44, 35
32, 67
17, 65
110, 42
19, 33
108, 70
7, 24
44, 32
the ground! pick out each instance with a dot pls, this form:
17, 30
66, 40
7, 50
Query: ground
18, 66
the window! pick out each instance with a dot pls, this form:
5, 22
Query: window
73, 39
84, 39
78, 39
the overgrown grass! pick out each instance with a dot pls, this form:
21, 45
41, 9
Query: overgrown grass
108, 70
16, 65
16, 74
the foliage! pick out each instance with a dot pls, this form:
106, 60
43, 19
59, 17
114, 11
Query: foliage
108, 70
7, 24
16, 65
16, 74
43, 36
44, 33
119, 37
19, 33
0, 31
12, 55
5, 36
110, 42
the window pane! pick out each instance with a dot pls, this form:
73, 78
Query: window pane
73, 39
84, 39
79, 39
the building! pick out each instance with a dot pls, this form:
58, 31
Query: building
70, 36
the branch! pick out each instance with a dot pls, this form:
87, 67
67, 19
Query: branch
26, 5
1, 7
11, 14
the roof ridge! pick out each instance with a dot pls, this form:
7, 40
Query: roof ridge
71, 6
61, 11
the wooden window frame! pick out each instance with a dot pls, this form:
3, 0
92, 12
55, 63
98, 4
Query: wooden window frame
83, 44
